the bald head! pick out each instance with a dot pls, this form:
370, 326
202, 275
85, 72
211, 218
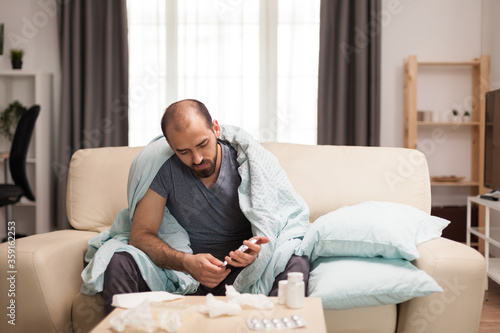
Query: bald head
179, 115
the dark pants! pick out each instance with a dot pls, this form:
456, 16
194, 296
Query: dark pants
123, 276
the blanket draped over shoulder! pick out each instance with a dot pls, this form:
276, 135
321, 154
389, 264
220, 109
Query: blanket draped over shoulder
266, 197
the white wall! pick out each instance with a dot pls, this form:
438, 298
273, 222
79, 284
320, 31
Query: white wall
442, 30
32, 26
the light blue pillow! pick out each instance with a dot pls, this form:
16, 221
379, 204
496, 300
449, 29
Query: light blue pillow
349, 282
371, 229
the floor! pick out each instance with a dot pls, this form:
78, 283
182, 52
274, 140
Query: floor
490, 317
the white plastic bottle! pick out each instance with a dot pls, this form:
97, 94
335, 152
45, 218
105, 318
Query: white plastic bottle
282, 291
295, 290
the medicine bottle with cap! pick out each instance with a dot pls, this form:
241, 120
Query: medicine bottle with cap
295, 290
282, 291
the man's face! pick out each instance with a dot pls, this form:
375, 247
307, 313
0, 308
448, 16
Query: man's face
196, 146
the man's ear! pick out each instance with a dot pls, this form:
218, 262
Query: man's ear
216, 128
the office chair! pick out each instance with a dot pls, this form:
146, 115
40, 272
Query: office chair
12, 193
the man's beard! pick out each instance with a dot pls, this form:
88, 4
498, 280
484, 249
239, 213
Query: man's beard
210, 169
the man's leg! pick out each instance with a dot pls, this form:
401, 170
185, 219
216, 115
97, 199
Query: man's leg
121, 276
295, 264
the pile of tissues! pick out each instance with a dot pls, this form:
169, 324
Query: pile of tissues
236, 300
140, 318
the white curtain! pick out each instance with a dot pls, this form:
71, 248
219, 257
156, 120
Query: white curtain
253, 63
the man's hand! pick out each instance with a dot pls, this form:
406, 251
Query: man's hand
242, 259
206, 269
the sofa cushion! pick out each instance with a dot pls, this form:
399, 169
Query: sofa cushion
350, 282
375, 319
330, 177
97, 186
371, 229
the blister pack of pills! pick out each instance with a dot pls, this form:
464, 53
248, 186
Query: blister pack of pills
294, 321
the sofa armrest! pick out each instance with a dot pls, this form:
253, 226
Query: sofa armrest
46, 279
461, 272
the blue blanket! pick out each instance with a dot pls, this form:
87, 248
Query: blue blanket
266, 198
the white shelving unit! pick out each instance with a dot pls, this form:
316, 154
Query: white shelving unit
32, 88
490, 235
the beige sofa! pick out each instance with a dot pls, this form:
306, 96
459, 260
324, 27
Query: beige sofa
48, 265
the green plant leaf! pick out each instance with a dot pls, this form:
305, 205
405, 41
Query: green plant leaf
16, 54
9, 119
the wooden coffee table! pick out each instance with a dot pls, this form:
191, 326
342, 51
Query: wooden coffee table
194, 321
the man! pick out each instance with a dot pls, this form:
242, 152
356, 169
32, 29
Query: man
199, 186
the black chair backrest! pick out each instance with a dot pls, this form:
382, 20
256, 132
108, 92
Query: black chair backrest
19, 150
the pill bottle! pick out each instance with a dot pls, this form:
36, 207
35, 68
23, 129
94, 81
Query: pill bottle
282, 291
295, 290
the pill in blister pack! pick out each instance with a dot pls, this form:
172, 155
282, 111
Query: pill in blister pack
276, 323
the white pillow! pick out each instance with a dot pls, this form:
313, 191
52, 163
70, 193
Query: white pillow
371, 229
349, 282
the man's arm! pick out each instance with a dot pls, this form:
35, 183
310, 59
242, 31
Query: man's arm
147, 220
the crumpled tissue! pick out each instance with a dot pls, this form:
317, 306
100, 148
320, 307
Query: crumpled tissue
258, 301
138, 318
236, 300
131, 300
169, 324
215, 307
141, 319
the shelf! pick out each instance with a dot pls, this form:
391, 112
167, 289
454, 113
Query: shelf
29, 160
21, 73
432, 123
466, 183
487, 203
490, 235
494, 234
474, 62
494, 269
433, 138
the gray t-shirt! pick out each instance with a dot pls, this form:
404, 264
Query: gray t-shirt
211, 216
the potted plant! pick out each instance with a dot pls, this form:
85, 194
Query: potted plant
16, 57
455, 116
9, 119
466, 117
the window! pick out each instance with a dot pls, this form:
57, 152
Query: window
253, 63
